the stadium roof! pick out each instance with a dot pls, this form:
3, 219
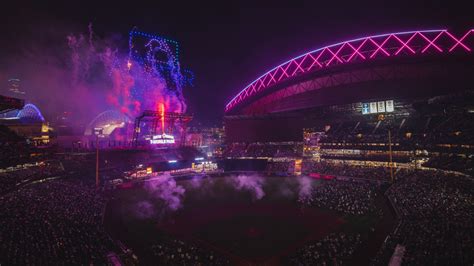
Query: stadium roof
408, 43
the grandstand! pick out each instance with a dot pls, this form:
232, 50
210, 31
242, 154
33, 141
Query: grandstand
395, 109
357, 153
109, 121
341, 101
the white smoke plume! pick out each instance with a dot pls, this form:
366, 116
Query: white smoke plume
165, 188
171, 194
253, 183
305, 189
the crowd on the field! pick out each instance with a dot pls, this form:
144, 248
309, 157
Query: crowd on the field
374, 173
435, 213
436, 219
177, 252
57, 222
429, 194
351, 197
334, 249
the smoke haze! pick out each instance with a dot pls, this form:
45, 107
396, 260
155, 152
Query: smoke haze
84, 75
171, 194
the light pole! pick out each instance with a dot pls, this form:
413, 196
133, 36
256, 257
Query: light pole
97, 132
381, 118
390, 153
97, 161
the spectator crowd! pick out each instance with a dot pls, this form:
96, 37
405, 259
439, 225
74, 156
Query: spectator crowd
436, 219
362, 172
171, 251
350, 197
334, 249
57, 222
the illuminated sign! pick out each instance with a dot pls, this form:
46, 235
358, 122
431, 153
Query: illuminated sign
162, 139
365, 109
381, 107
378, 107
373, 107
149, 170
389, 106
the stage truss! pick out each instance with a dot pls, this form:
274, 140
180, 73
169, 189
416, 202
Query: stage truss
170, 119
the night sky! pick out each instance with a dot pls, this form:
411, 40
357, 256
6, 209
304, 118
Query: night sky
227, 45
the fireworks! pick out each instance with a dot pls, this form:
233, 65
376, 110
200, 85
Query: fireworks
148, 75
